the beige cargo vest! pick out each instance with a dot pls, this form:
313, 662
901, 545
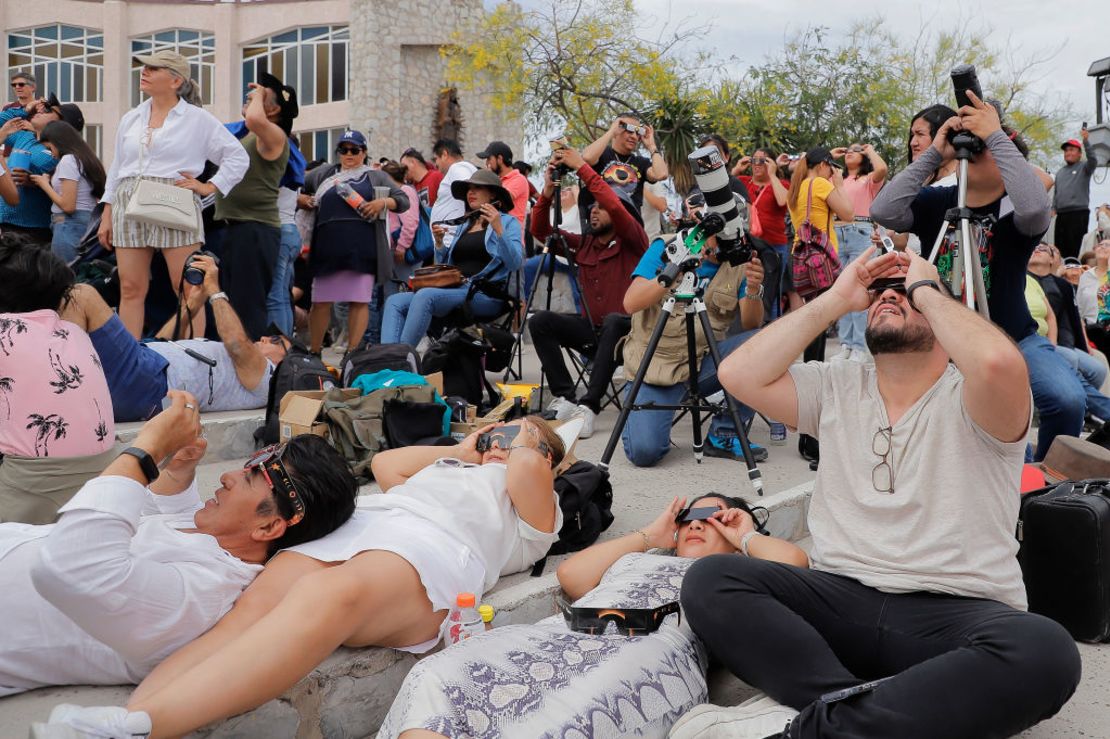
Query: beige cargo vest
669, 364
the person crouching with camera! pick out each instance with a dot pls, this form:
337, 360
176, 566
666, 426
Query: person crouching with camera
728, 290
912, 622
606, 256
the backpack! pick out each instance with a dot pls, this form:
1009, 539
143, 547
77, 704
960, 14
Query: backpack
814, 266
367, 358
460, 354
300, 370
423, 244
586, 499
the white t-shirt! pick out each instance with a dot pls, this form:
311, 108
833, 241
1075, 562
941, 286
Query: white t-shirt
948, 527
287, 205
653, 223
70, 169
215, 388
447, 206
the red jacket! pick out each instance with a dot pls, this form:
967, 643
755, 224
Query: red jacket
604, 267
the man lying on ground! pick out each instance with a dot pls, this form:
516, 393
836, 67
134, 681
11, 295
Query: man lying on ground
912, 622
136, 566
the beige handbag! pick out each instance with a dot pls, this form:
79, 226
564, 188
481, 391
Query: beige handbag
159, 204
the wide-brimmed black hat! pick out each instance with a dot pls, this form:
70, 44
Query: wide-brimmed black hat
484, 178
286, 98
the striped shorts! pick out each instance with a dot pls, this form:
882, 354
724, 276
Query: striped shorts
131, 234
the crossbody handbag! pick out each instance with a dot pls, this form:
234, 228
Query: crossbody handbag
814, 265
437, 275
159, 204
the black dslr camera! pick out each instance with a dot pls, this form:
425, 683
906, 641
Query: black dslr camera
193, 274
964, 78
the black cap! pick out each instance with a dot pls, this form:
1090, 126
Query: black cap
820, 154
1072, 262
286, 98
69, 112
497, 147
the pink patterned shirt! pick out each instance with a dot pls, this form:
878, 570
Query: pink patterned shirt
54, 400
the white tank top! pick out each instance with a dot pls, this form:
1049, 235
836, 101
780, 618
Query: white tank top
215, 388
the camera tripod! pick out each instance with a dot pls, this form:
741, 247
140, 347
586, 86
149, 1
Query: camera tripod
966, 282
688, 294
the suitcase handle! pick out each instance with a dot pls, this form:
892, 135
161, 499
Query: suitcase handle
1083, 487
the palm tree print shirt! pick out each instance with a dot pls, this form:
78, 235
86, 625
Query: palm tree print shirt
54, 400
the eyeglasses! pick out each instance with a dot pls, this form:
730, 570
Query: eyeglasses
628, 621
882, 475
881, 285
268, 462
759, 160
21, 84
349, 150
634, 128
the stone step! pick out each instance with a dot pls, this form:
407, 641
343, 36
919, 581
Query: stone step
349, 694
230, 434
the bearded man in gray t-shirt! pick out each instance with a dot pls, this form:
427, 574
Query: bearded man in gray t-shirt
912, 622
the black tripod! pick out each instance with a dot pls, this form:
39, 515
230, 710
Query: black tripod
687, 293
547, 263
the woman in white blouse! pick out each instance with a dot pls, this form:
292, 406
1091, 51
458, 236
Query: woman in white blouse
166, 139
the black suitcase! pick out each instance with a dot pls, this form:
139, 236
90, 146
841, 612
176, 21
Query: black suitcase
1064, 535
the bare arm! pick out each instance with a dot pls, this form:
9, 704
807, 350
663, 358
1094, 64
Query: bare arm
8, 191
531, 486
658, 170
594, 151
838, 202
881, 170
782, 194
751, 305
641, 293
250, 364
1050, 319
393, 467
657, 201
271, 139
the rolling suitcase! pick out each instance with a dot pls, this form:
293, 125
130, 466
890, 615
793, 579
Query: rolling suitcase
1064, 535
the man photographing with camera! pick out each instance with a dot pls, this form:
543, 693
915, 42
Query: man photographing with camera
1009, 212
911, 622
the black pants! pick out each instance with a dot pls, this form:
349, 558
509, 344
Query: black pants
551, 331
1070, 229
248, 253
1100, 337
957, 667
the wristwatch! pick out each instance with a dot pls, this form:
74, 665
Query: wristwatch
146, 462
757, 296
221, 295
914, 286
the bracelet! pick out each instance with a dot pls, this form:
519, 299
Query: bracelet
221, 295
647, 544
757, 296
744, 542
914, 286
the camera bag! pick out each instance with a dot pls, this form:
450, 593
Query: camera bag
1064, 535
586, 500
368, 358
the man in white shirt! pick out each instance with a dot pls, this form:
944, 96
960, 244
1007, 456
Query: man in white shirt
912, 622
449, 160
137, 567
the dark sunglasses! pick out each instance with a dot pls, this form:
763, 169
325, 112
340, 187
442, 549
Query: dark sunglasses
759, 514
268, 462
628, 621
881, 285
633, 128
503, 435
21, 84
349, 150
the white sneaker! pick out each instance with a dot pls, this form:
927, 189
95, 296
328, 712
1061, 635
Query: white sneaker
588, 417
563, 408
68, 721
758, 718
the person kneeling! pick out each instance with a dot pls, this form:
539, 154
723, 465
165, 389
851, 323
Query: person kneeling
912, 621
137, 566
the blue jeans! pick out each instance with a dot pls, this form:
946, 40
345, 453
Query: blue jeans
67, 231
136, 374
279, 308
1058, 392
1091, 374
854, 238
647, 434
407, 316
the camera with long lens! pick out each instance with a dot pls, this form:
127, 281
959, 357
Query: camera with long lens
194, 273
711, 173
964, 78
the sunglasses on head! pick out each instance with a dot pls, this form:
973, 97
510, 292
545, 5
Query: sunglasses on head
349, 150
628, 621
268, 462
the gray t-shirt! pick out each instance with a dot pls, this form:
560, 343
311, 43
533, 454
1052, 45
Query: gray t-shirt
948, 527
1073, 184
218, 390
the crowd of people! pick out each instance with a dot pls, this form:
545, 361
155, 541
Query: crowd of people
919, 424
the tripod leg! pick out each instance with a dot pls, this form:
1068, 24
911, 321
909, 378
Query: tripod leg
694, 395
754, 474
641, 372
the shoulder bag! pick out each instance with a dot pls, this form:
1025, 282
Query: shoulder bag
161, 204
437, 275
814, 265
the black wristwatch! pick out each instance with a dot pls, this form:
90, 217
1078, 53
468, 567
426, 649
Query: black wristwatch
914, 286
146, 462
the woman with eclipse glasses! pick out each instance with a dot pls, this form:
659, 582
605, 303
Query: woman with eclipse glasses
619, 661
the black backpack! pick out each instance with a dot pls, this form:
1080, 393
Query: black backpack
460, 354
586, 499
367, 358
300, 370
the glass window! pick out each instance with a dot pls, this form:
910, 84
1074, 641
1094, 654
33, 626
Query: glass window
93, 135
313, 59
319, 144
196, 46
72, 70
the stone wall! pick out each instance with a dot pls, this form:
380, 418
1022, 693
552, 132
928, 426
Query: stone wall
397, 74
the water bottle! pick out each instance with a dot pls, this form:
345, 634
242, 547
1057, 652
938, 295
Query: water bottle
486, 612
778, 433
348, 193
463, 621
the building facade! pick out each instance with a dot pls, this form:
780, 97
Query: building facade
373, 65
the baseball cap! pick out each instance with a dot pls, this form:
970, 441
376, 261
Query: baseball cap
497, 147
1072, 262
68, 112
351, 136
820, 154
1071, 142
166, 59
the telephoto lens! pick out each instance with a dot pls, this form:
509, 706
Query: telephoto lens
965, 78
712, 176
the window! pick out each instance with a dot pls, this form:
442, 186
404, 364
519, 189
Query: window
66, 60
199, 48
94, 135
313, 60
319, 144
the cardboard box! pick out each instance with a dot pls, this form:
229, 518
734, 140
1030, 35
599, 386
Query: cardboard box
299, 411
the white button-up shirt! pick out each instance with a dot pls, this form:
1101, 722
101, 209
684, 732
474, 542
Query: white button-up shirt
447, 206
189, 137
112, 589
